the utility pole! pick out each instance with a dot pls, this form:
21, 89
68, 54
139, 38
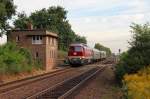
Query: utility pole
118, 56
119, 51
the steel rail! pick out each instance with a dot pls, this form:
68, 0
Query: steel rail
18, 83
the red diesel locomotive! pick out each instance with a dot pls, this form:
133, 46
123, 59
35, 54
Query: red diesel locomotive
81, 54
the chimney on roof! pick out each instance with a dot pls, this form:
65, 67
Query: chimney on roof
30, 26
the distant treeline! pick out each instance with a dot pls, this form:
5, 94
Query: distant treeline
53, 19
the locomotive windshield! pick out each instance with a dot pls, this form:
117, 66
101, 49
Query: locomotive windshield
76, 48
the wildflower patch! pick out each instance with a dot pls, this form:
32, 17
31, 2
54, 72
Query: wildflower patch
138, 85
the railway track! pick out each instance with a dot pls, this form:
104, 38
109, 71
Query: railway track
15, 84
65, 89
25, 88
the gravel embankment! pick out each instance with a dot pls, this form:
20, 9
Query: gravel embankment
102, 87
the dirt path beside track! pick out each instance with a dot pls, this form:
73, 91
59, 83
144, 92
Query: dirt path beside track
102, 87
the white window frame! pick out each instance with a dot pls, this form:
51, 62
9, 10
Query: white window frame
37, 39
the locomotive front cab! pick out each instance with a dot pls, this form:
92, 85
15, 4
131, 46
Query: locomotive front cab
76, 55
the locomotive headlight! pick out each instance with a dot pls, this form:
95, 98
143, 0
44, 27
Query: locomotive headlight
81, 58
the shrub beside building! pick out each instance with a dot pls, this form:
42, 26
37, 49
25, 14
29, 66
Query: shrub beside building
15, 60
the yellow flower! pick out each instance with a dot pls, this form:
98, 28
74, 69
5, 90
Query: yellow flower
138, 84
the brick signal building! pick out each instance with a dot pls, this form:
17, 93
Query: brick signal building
41, 43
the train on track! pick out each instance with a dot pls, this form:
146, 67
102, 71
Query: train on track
80, 54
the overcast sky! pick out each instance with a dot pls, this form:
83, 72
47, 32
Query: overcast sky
103, 21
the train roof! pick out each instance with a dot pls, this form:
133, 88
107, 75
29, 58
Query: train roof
78, 44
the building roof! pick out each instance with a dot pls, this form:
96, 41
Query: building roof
42, 32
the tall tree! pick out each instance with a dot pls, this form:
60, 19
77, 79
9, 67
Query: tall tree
50, 18
7, 9
140, 44
81, 39
22, 21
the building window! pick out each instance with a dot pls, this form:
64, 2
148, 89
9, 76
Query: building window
52, 41
52, 54
37, 39
17, 39
49, 40
55, 42
36, 55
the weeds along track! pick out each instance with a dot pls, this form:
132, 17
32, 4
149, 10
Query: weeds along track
65, 88
15, 84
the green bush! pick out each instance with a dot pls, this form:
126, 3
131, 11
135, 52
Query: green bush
138, 55
14, 59
129, 63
